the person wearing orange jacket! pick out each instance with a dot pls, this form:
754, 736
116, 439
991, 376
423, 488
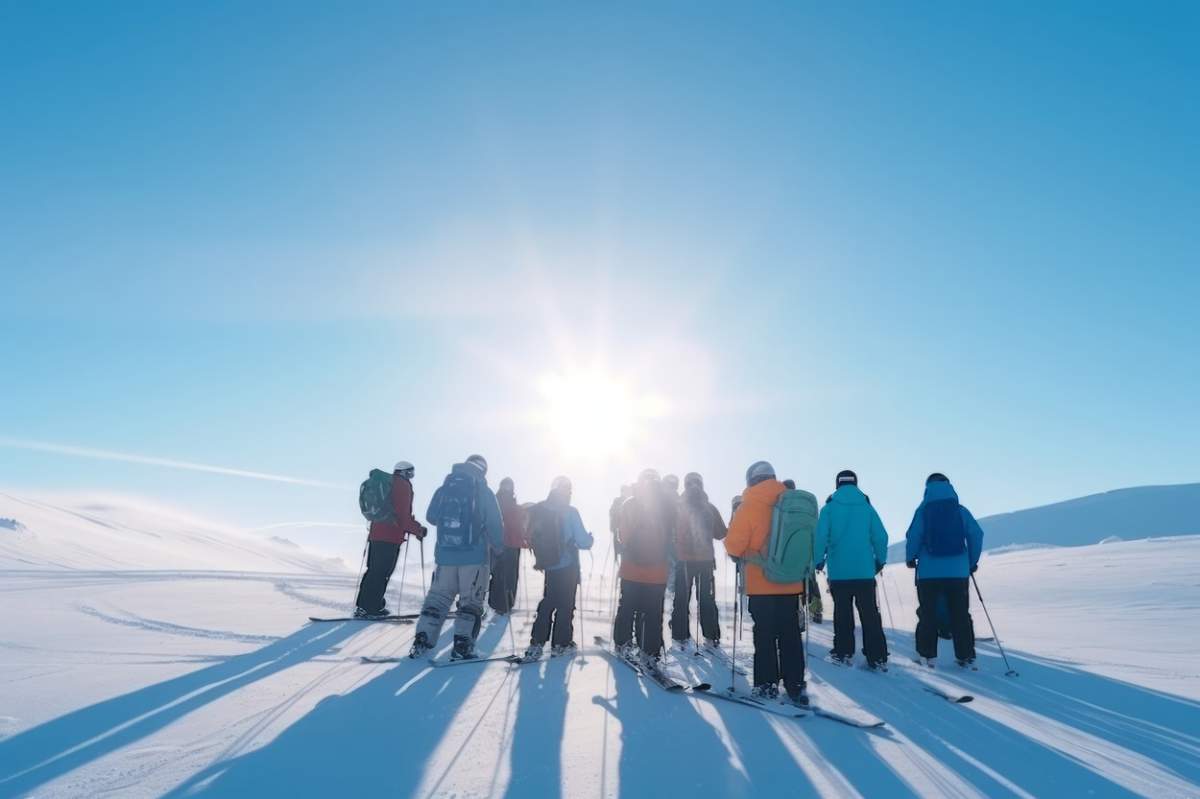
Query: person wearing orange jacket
383, 545
502, 592
644, 533
775, 607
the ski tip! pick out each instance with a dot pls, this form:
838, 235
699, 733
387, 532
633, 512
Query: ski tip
962, 700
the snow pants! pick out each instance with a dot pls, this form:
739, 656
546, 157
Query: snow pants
502, 593
700, 574
469, 584
955, 590
555, 620
640, 614
778, 650
381, 562
846, 595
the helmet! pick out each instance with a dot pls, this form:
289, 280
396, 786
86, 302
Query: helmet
405, 469
648, 476
759, 471
693, 478
937, 477
671, 481
846, 478
506, 485
478, 461
561, 484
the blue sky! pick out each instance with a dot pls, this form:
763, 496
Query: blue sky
305, 240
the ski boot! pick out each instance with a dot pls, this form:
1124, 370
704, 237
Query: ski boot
464, 648
681, 645
563, 649
929, 662
629, 651
533, 652
877, 665
651, 662
765, 692
712, 643
840, 660
382, 613
798, 695
420, 646
967, 663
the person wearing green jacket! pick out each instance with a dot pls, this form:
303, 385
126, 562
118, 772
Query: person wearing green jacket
851, 544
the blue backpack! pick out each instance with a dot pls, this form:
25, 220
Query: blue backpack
456, 519
945, 533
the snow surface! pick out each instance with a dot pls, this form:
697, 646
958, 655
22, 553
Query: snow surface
131, 679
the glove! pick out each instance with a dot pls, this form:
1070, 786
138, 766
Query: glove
421, 535
912, 564
879, 567
975, 568
820, 566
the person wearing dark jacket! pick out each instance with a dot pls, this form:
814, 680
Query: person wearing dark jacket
502, 592
555, 621
383, 545
644, 533
943, 544
699, 523
614, 518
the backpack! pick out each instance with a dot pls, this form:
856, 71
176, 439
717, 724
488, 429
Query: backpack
545, 536
789, 554
651, 541
375, 497
456, 519
945, 533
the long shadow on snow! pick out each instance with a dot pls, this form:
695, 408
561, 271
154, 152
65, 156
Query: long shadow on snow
536, 763
378, 737
61, 745
1156, 726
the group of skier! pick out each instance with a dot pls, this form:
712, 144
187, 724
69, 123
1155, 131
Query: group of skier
777, 536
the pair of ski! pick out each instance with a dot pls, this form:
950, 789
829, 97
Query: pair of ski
704, 690
404, 618
713, 653
435, 662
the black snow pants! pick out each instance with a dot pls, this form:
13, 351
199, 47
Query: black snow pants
555, 620
847, 594
778, 649
502, 591
640, 614
955, 590
381, 562
700, 574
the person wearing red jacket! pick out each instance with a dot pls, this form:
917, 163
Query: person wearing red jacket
502, 592
383, 545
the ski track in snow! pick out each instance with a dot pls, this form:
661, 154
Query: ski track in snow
108, 702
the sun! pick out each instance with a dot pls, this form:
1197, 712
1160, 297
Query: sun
591, 414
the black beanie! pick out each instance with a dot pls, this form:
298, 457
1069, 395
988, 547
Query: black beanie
937, 477
846, 477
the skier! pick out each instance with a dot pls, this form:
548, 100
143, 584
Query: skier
943, 544
502, 592
852, 544
644, 533
816, 608
557, 534
775, 607
383, 544
670, 488
614, 518
699, 524
469, 528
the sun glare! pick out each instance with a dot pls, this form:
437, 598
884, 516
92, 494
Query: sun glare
593, 415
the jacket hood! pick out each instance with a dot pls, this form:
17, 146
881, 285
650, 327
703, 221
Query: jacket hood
850, 495
939, 490
767, 491
469, 469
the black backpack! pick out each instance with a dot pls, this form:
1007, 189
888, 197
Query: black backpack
545, 535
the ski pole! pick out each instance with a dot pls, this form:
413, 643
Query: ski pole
1011, 671
423, 590
888, 602
737, 603
403, 574
582, 636
362, 573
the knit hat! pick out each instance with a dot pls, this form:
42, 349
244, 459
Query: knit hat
478, 461
846, 478
759, 471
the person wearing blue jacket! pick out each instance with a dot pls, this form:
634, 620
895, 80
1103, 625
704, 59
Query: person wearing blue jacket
469, 530
556, 612
851, 544
943, 544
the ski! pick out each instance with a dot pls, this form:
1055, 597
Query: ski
440, 664
958, 699
775, 708
404, 619
849, 720
656, 675
722, 655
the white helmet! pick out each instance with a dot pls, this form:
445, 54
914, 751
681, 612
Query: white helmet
405, 468
561, 484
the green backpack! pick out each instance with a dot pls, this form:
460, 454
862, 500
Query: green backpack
375, 497
789, 553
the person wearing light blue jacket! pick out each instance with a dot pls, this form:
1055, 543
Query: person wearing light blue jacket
555, 621
851, 545
943, 544
469, 530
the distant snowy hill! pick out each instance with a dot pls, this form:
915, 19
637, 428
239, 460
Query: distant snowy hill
103, 533
1127, 513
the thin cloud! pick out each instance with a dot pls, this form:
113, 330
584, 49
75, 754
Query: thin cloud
149, 460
